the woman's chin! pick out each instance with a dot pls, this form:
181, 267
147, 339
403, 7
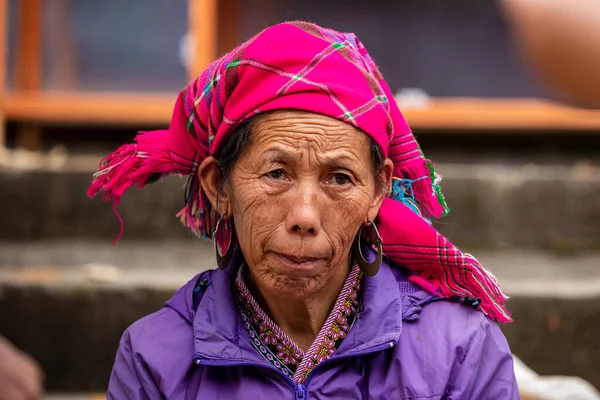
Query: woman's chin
286, 278
294, 289
295, 284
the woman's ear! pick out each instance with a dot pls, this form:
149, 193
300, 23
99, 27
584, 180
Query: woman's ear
386, 173
217, 194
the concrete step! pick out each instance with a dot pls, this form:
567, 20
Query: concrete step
70, 314
555, 208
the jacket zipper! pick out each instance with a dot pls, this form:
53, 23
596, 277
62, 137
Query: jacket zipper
300, 390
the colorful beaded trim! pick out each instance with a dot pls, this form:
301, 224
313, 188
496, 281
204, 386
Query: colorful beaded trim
281, 351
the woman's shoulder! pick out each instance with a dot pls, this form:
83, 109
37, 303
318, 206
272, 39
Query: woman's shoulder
166, 333
163, 325
455, 349
151, 356
455, 319
436, 328
435, 314
159, 342
447, 325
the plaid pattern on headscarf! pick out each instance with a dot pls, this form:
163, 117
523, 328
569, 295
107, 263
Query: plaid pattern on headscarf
301, 66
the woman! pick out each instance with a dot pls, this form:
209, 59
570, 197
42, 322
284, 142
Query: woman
331, 281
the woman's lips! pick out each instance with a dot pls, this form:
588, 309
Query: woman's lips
297, 262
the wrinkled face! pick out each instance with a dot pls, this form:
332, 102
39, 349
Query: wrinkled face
298, 195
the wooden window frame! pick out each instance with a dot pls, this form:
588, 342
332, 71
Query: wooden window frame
212, 25
29, 104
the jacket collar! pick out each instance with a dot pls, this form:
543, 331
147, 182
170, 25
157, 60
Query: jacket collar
220, 336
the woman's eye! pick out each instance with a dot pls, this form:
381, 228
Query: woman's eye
341, 179
276, 174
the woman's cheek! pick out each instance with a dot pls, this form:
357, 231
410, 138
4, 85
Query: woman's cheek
343, 218
351, 210
255, 211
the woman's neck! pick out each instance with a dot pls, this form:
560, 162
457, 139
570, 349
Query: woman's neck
302, 319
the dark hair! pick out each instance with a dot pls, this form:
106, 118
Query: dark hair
230, 151
240, 138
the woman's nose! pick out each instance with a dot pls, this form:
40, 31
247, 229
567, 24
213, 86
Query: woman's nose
304, 216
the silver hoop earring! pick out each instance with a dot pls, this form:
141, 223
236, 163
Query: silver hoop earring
368, 268
223, 259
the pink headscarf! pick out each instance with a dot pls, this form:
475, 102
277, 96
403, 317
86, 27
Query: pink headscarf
301, 66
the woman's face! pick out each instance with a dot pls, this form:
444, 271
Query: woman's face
298, 195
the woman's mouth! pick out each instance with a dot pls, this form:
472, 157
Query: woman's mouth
297, 262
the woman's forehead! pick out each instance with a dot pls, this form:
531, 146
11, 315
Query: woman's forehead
301, 128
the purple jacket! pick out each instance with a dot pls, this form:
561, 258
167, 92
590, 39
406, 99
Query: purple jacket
405, 344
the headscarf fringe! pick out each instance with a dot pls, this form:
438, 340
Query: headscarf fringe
133, 164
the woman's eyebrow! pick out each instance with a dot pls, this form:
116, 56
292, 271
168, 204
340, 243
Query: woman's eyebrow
340, 162
332, 160
277, 154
